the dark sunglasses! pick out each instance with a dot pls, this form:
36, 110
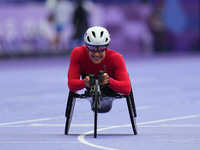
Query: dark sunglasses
95, 48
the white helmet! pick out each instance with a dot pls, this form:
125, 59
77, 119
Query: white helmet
97, 36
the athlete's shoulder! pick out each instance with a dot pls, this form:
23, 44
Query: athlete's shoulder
113, 54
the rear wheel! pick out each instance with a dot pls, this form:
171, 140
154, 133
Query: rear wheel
132, 115
69, 111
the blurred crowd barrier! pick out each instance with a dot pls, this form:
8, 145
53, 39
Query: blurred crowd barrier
26, 29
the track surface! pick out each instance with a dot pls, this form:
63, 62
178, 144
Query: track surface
33, 96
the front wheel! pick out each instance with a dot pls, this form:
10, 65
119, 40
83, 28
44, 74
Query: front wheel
95, 100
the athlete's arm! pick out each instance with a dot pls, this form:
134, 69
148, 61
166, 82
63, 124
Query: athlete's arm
121, 82
74, 72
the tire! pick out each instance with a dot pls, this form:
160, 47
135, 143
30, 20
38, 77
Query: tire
132, 115
95, 99
69, 111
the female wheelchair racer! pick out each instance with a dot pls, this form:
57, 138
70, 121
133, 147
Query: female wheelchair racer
89, 60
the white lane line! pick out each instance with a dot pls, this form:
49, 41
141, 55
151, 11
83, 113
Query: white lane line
169, 119
102, 126
52, 125
28, 121
180, 125
81, 137
62, 125
50, 118
38, 142
16, 124
171, 126
146, 107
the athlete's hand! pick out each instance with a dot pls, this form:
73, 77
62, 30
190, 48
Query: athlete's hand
106, 79
87, 81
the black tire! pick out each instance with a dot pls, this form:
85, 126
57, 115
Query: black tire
133, 103
95, 99
69, 111
132, 115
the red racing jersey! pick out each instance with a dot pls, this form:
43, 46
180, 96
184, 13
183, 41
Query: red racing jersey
113, 64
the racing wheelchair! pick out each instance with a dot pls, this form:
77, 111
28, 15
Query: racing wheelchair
96, 93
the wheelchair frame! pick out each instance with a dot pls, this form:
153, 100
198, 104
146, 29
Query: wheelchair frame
95, 94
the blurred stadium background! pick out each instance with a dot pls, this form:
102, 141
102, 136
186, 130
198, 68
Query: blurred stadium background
137, 27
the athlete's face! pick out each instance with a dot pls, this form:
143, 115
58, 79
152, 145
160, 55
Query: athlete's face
97, 57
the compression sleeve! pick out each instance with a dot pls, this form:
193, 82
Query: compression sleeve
74, 72
121, 83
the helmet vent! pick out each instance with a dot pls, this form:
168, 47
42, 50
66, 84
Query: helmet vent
101, 34
93, 33
88, 39
106, 39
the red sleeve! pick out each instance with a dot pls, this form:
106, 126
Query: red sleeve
74, 72
121, 82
